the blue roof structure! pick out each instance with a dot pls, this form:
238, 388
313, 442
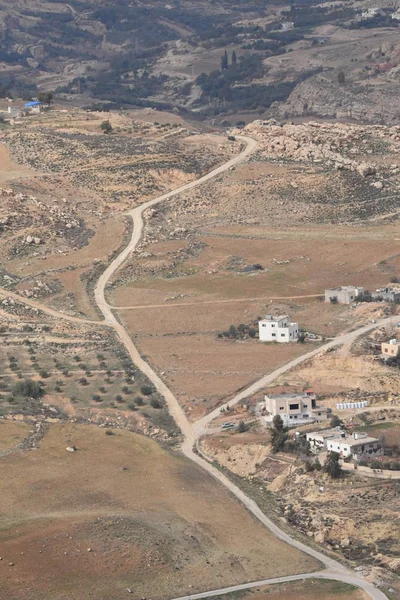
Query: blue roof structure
30, 104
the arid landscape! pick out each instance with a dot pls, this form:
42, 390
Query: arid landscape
174, 178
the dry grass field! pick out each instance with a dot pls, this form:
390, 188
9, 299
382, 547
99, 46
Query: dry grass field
12, 433
315, 589
178, 306
121, 513
200, 368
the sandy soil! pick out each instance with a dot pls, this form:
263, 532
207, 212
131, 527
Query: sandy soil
12, 433
9, 169
150, 527
309, 590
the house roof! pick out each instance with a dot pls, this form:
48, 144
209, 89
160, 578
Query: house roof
326, 433
272, 318
287, 396
30, 104
350, 441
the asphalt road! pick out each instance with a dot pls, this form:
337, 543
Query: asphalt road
191, 432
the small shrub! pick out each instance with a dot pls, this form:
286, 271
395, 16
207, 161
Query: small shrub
97, 398
119, 398
242, 427
83, 381
28, 389
102, 390
139, 401
109, 432
132, 406
147, 390
155, 403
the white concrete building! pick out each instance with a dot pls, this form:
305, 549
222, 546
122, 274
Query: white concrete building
294, 409
372, 13
358, 444
343, 294
319, 439
277, 329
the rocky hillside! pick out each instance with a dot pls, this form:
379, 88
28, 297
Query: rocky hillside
209, 58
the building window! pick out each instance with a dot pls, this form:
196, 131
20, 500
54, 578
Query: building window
305, 406
274, 335
305, 416
282, 335
281, 408
263, 325
272, 324
293, 407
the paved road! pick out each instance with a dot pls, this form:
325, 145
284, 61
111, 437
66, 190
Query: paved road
368, 587
191, 433
345, 338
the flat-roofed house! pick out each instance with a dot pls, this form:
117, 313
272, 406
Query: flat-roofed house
358, 445
277, 329
319, 439
294, 408
343, 294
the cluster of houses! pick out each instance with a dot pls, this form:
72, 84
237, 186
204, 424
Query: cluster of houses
346, 294
302, 408
355, 445
282, 330
19, 110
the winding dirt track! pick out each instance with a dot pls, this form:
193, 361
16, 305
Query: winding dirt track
191, 432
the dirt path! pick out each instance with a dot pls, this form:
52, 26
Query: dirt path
333, 569
229, 300
42, 307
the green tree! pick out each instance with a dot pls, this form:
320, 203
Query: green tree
224, 61
336, 422
106, 127
332, 466
28, 389
242, 427
234, 58
45, 97
341, 78
279, 434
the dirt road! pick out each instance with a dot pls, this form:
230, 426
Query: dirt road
369, 588
333, 569
224, 301
46, 309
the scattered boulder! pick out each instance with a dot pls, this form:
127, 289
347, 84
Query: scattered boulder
365, 170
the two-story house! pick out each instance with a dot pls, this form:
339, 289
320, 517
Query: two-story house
294, 408
277, 329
